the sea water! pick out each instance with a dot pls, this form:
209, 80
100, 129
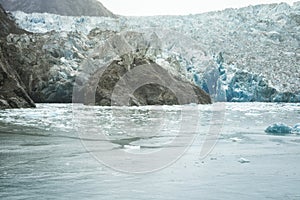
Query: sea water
219, 151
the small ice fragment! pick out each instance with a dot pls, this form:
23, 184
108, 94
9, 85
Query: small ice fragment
235, 139
296, 129
132, 147
244, 160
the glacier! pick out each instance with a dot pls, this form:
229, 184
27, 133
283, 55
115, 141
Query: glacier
236, 55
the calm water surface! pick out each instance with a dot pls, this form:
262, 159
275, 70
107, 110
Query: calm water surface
64, 151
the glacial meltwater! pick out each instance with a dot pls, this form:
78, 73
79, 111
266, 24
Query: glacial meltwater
219, 151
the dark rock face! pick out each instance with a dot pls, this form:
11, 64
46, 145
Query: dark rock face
12, 92
7, 26
38, 61
154, 94
60, 7
140, 82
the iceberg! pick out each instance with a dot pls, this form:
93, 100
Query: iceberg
279, 129
243, 160
296, 129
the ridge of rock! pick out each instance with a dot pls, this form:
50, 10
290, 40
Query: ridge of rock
60, 7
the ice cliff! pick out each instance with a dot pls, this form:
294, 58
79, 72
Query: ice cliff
241, 55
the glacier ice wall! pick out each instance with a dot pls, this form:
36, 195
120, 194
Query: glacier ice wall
260, 47
228, 83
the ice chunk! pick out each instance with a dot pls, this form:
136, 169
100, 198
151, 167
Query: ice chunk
235, 139
279, 129
296, 129
133, 147
244, 160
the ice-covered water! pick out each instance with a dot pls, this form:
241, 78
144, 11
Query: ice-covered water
46, 152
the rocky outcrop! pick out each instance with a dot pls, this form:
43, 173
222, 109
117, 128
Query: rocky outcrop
39, 60
138, 81
60, 7
12, 92
49, 64
50, 68
7, 25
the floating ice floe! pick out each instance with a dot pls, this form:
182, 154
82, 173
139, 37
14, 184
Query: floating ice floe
235, 139
296, 129
279, 129
243, 160
133, 147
